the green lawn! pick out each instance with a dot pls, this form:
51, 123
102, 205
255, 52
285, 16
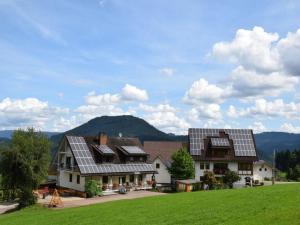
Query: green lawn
278, 204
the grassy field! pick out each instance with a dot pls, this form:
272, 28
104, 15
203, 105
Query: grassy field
278, 204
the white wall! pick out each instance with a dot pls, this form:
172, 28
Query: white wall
64, 180
266, 171
163, 176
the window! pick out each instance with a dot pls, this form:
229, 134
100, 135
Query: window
207, 166
204, 165
70, 177
105, 179
201, 166
259, 169
266, 169
78, 179
68, 162
157, 165
131, 158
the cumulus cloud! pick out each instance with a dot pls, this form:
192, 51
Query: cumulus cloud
265, 64
290, 128
257, 127
269, 109
132, 93
16, 113
289, 52
247, 83
250, 48
203, 92
207, 111
164, 116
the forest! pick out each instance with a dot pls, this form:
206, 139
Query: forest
288, 162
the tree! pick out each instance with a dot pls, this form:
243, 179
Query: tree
182, 166
92, 189
209, 179
231, 177
24, 164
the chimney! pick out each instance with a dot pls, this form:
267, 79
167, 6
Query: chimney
102, 139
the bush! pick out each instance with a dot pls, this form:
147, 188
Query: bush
231, 177
209, 179
92, 189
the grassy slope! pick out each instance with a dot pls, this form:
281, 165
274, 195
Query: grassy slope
279, 204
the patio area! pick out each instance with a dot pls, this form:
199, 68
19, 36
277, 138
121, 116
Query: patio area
76, 201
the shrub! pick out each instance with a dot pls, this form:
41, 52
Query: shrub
209, 179
231, 177
92, 189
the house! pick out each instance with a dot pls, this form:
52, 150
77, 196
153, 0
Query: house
219, 150
160, 153
111, 161
262, 170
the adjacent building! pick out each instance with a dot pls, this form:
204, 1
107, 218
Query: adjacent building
262, 170
160, 153
218, 150
111, 161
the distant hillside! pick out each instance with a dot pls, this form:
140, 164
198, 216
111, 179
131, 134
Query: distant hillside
128, 126
267, 142
8, 133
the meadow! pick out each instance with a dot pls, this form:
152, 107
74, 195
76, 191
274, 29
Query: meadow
279, 204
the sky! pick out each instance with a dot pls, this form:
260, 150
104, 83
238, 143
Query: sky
176, 64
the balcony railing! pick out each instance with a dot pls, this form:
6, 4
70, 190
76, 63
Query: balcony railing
245, 172
220, 171
63, 166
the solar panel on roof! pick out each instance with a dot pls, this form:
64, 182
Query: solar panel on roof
104, 149
133, 150
220, 142
242, 140
82, 155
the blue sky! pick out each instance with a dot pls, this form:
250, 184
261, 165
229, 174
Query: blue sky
177, 64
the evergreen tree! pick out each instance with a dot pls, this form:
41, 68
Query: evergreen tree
182, 166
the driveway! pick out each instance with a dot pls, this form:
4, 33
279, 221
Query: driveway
75, 201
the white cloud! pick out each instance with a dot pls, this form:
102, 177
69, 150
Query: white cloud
203, 92
132, 93
270, 109
129, 93
250, 48
104, 99
15, 113
289, 51
232, 112
246, 83
257, 127
167, 71
164, 116
207, 111
290, 128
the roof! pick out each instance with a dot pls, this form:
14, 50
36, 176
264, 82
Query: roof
104, 149
243, 140
220, 142
133, 150
86, 163
188, 181
262, 162
162, 149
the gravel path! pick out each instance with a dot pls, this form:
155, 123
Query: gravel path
108, 198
